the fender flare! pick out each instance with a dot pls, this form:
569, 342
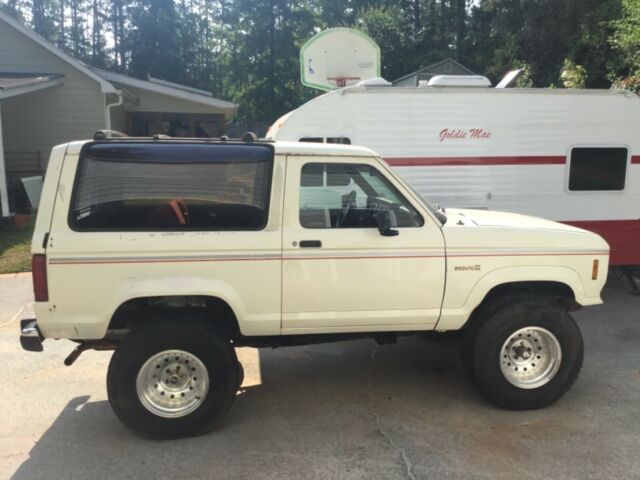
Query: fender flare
175, 287
455, 318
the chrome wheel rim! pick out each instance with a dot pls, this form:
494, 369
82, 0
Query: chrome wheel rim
172, 383
530, 357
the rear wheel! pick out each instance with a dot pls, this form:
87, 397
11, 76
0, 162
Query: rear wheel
172, 377
526, 354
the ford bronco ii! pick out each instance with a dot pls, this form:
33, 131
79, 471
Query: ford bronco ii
173, 252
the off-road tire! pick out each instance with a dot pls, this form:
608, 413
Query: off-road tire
507, 317
181, 331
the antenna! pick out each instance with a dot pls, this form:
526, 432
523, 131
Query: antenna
337, 58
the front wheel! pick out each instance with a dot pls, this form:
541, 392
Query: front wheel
172, 378
527, 354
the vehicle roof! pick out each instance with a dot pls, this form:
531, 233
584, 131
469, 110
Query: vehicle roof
330, 149
281, 148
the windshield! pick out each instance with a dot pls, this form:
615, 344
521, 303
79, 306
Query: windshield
436, 210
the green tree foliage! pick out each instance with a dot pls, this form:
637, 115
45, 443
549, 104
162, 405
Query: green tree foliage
388, 27
543, 33
154, 40
13, 8
264, 40
98, 16
45, 19
573, 75
78, 43
626, 38
248, 50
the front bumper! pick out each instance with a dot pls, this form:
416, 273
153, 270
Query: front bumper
30, 336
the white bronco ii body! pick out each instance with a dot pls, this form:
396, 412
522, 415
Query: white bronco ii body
173, 251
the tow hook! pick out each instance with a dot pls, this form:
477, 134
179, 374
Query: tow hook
92, 345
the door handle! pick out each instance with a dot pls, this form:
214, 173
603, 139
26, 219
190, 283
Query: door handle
310, 244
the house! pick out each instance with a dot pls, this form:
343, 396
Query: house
48, 98
447, 66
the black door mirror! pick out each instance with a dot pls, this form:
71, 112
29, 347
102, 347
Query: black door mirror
384, 224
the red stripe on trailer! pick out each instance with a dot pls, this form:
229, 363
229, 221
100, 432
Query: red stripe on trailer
623, 236
635, 159
509, 160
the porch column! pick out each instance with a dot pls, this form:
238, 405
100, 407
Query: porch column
4, 196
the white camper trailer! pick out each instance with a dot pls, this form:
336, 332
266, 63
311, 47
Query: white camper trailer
566, 155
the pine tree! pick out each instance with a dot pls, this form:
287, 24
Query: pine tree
99, 56
120, 11
153, 40
43, 14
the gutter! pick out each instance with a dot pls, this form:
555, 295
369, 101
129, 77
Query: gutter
109, 106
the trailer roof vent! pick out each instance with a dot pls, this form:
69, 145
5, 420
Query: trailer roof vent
373, 82
459, 81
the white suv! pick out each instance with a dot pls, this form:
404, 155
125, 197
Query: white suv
173, 252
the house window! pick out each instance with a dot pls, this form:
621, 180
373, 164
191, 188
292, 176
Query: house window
172, 186
598, 168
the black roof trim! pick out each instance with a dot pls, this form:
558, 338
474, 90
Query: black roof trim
115, 136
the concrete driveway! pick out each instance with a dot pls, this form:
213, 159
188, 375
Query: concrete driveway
345, 410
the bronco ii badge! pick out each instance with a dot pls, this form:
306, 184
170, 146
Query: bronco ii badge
466, 267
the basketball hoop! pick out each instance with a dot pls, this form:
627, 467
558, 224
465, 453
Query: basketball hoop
342, 81
338, 57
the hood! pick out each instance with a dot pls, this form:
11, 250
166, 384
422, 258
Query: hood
489, 218
502, 231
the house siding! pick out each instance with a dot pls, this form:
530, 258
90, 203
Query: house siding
35, 122
156, 102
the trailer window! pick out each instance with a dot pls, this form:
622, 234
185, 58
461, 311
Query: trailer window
598, 169
336, 195
171, 186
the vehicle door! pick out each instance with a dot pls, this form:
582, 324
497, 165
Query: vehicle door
339, 270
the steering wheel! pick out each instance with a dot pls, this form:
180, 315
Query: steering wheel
350, 200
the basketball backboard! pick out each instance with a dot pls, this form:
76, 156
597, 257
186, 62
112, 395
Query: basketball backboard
338, 57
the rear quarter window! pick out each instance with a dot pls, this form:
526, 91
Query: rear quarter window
172, 186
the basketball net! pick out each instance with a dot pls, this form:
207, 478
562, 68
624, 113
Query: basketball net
342, 81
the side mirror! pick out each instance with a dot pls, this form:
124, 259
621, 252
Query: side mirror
384, 224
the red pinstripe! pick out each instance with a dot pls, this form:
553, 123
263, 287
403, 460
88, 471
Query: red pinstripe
380, 257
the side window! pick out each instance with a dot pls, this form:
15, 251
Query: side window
171, 186
598, 169
336, 195
341, 140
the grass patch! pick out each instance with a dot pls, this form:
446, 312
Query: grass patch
15, 248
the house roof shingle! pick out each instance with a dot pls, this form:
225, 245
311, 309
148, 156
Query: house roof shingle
10, 81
